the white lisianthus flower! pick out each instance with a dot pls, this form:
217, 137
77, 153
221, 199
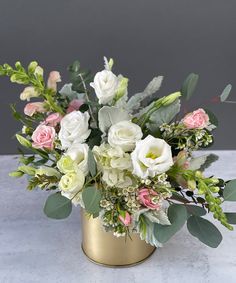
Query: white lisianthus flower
124, 134
66, 164
79, 154
28, 93
74, 129
105, 85
71, 184
152, 156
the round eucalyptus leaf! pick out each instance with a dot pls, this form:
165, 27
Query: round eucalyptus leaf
204, 230
57, 206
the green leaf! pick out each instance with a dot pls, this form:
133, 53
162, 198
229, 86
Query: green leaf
16, 174
189, 85
195, 210
57, 206
92, 164
91, 198
177, 215
230, 191
94, 138
204, 230
23, 141
225, 93
165, 114
213, 119
231, 217
135, 101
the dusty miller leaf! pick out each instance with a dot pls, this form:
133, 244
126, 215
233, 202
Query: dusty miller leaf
108, 116
135, 101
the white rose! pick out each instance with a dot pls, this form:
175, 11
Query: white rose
79, 154
124, 134
71, 184
105, 85
152, 156
74, 128
28, 93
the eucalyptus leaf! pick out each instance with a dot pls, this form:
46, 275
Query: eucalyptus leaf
204, 230
224, 95
67, 91
57, 206
109, 115
231, 217
189, 85
213, 119
196, 210
136, 99
91, 163
230, 191
177, 215
202, 162
91, 197
162, 115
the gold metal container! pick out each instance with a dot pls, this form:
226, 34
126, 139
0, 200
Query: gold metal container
105, 249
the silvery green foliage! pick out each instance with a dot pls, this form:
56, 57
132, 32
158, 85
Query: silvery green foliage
225, 93
147, 234
109, 115
67, 91
159, 217
162, 115
149, 219
135, 101
202, 162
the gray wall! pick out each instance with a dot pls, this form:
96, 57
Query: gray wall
146, 38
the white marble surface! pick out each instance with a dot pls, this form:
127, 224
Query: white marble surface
35, 249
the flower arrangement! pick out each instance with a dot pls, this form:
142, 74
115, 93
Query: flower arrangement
128, 161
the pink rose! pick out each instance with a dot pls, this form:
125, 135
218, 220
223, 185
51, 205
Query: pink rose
125, 220
74, 105
43, 137
34, 107
146, 198
196, 120
53, 79
53, 119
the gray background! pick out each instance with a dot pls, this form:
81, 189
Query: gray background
146, 38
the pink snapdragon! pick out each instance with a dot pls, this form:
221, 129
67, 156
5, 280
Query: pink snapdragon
197, 119
53, 119
43, 137
33, 108
126, 220
146, 197
74, 105
53, 79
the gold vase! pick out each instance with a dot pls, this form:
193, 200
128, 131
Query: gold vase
105, 249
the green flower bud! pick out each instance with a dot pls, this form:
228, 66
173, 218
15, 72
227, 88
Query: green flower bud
23, 141
191, 184
32, 66
214, 189
16, 174
27, 170
170, 98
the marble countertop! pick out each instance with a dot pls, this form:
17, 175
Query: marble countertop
36, 249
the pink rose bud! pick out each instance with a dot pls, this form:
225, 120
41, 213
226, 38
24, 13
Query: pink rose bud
146, 198
53, 79
53, 119
43, 137
74, 105
34, 107
196, 120
125, 220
